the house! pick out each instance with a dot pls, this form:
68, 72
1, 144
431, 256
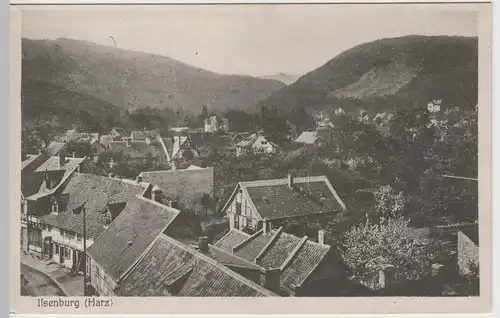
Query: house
139, 150
300, 266
254, 203
468, 249
104, 140
257, 144
118, 133
55, 148
216, 123
128, 237
171, 268
307, 138
179, 146
191, 189
203, 141
60, 217
237, 137
46, 180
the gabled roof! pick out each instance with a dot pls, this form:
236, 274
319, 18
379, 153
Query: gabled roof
55, 147
296, 257
248, 141
189, 185
129, 235
137, 149
122, 132
273, 199
31, 180
170, 268
96, 192
57, 171
137, 135
307, 137
205, 139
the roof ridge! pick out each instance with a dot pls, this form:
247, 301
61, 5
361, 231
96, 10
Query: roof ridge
163, 206
236, 256
268, 245
295, 251
245, 242
212, 262
281, 181
229, 232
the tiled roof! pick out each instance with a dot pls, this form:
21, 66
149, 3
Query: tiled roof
307, 137
189, 185
273, 199
137, 149
170, 268
232, 238
296, 257
29, 159
96, 192
204, 139
53, 164
248, 141
55, 147
58, 172
31, 180
122, 132
129, 235
137, 135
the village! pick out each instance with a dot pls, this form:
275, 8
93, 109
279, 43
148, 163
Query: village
87, 229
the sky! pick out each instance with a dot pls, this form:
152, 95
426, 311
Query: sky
245, 39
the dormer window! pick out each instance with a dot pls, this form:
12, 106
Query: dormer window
107, 218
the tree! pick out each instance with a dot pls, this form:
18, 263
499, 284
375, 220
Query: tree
388, 203
368, 247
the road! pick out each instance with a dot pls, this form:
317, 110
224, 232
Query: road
39, 284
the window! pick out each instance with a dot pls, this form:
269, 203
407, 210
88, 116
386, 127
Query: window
49, 228
78, 238
61, 231
55, 208
238, 207
67, 253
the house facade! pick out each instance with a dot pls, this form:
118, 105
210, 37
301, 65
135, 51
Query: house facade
255, 203
256, 144
59, 217
45, 181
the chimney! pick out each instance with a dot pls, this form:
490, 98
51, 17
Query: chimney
290, 180
74, 154
155, 194
266, 226
203, 244
62, 159
270, 279
321, 237
127, 142
174, 166
139, 179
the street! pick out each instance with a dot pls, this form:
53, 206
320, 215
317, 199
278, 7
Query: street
38, 284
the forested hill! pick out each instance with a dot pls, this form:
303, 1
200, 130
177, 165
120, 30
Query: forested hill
389, 73
131, 80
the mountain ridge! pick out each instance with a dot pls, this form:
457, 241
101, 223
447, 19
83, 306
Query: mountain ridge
402, 71
132, 79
